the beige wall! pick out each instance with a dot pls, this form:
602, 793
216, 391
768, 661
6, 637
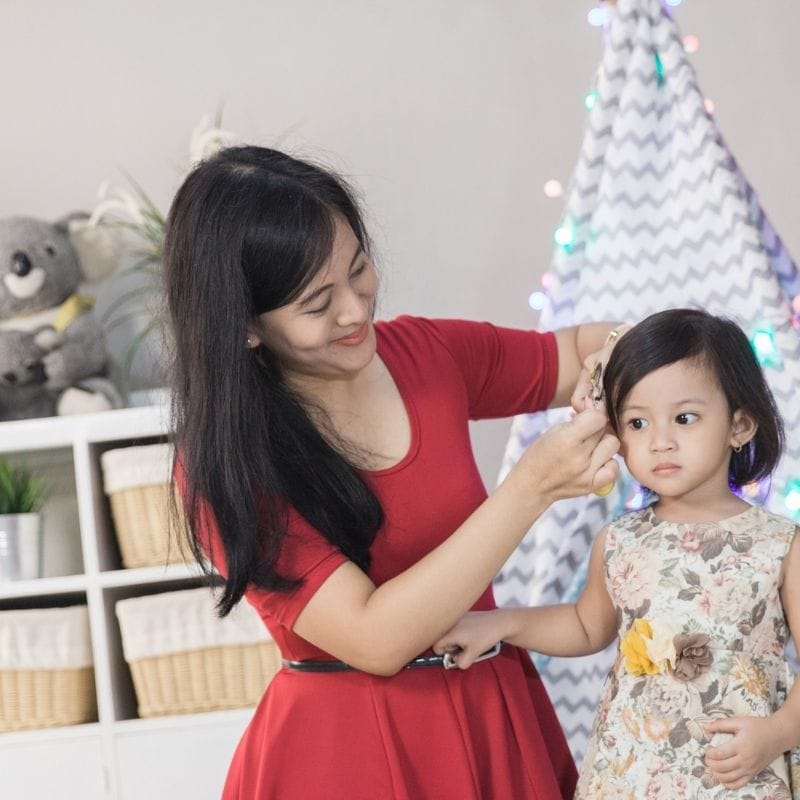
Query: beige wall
449, 114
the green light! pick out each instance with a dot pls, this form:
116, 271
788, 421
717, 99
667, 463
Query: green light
590, 100
659, 68
791, 498
565, 236
763, 344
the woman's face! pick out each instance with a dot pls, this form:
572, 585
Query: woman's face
327, 331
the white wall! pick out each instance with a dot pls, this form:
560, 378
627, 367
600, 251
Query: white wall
449, 114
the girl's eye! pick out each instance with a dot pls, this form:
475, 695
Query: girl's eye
686, 419
637, 423
359, 270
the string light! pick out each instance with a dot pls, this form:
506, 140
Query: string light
590, 100
659, 68
547, 279
709, 105
537, 300
691, 43
597, 17
553, 188
565, 236
791, 497
673, 3
764, 346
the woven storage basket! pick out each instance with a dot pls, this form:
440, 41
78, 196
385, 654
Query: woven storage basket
137, 482
185, 659
46, 675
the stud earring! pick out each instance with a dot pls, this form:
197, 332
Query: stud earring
737, 448
250, 341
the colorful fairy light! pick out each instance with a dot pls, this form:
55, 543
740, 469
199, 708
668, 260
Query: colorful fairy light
709, 105
764, 346
590, 100
537, 300
565, 236
673, 3
659, 68
553, 188
791, 497
597, 16
691, 43
547, 279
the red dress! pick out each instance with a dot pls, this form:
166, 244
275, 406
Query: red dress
486, 733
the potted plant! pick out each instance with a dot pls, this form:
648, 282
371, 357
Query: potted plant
21, 496
139, 303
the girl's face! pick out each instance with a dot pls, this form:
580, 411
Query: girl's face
327, 332
676, 432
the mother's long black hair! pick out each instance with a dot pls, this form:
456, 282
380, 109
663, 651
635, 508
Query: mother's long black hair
247, 231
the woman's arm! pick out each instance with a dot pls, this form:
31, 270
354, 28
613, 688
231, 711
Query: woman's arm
379, 630
579, 349
758, 741
569, 629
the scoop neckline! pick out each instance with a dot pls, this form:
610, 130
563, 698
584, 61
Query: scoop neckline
725, 521
411, 414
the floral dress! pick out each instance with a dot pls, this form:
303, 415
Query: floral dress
702, 634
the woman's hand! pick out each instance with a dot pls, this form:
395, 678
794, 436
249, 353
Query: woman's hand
473, 634
570, 459
754, 746
585, 389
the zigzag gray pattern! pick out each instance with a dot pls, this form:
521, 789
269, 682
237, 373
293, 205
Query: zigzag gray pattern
663, 217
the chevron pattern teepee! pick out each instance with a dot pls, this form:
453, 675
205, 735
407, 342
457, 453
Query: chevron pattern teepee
658, 215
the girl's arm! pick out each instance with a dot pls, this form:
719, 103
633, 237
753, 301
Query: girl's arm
570, 629
379, 630
758, 741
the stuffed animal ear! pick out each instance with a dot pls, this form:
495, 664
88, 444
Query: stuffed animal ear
100, 248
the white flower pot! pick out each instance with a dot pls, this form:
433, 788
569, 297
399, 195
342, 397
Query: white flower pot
20, 547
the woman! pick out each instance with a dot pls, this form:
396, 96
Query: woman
327, 473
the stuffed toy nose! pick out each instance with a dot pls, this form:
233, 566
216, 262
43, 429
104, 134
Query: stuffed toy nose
20, 264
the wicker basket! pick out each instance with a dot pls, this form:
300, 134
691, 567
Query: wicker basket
46, 675
137, 482
184, 659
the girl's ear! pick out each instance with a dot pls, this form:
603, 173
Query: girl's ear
743, 428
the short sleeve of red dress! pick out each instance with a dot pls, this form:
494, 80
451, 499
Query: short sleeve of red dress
505, 371
306, 555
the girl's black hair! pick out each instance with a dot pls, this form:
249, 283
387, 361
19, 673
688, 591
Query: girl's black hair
247, 231
718, 345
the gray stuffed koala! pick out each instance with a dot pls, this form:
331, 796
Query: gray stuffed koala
53, 357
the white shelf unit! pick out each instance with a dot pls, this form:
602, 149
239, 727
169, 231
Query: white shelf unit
118, 757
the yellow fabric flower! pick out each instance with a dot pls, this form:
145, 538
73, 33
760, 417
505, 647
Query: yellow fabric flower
634, 648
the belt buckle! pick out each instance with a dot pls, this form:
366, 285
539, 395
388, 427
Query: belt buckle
490, 653
449, 659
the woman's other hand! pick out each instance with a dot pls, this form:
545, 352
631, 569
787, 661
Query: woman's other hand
570, 459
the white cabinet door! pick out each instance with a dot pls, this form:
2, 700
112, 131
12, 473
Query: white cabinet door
190, 761
69, 769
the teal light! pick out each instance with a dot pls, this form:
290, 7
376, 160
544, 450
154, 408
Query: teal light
659, 68
590, 100
565, 236
763, 343
791, 498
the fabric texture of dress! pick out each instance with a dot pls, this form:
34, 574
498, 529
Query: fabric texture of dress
717, 579
486, 733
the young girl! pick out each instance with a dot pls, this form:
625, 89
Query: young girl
702, 588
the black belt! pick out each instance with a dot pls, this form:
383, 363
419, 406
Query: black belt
445, 661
